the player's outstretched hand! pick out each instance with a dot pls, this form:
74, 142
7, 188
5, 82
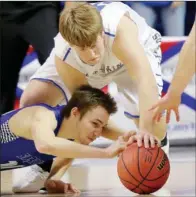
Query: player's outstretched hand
127, 135
116, 148
167, 103
146, 138
58, 186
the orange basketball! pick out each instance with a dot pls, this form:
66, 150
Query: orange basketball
142, 170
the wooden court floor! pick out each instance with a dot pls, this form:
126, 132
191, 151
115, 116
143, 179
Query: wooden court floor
99, 178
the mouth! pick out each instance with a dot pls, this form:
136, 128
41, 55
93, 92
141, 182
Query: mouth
94, 59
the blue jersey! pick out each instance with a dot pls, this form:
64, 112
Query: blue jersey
17, 152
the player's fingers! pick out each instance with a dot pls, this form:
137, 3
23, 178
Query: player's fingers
152, 141
154, 106
159, 117
127, 135
73, 189
168, 116
131, 140
51, 184
66, 188
139, 140
177, 114
121, 139
154, 117
155, 114
146, 141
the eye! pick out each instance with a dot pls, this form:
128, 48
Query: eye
95, 124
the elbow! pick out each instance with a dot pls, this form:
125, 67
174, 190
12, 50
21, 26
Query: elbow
43, 147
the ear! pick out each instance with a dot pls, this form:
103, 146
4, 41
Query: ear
75, 112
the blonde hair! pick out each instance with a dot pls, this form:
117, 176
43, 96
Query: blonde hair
80, 24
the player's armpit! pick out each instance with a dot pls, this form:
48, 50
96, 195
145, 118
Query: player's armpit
71, 77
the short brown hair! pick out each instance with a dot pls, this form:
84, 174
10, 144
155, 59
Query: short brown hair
86, 98
80, 24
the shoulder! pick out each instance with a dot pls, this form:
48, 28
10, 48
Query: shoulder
45, 114
61, 47
111, 20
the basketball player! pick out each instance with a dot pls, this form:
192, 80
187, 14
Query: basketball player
184, 72
98, 44
37, 133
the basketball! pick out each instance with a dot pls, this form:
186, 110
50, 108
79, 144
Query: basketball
142, 170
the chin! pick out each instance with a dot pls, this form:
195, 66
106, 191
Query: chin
87, 141
94, 62
84, 141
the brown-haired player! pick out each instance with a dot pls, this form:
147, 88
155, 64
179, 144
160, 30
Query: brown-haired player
37, 133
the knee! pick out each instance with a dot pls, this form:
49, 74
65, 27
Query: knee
28, 98
41, 92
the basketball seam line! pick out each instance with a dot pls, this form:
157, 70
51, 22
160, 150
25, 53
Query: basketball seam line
129, 172
148, 171
157, 177
136, 185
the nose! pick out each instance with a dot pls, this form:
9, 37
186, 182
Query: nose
92, 53
98, 132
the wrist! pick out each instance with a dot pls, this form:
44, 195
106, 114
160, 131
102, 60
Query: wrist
106, 153
173, 92
146, 124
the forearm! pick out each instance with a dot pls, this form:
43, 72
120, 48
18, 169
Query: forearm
146, 87
112, 132
59, 167
148, 95
64, 148
186, 65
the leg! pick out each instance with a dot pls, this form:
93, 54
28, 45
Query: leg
41, 92
41, 36
13, 49
171, 16
45, 86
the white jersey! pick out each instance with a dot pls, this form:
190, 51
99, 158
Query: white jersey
110, 69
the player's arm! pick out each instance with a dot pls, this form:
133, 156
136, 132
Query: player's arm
71, 77
113, 132
42, 130
54, 184
128, 49
59, 167
186, 65
183, 74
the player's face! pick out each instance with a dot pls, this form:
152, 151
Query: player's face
92, 55
91, 125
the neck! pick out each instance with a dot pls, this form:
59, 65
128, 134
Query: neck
68, 129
